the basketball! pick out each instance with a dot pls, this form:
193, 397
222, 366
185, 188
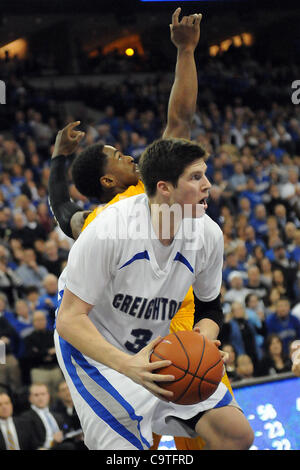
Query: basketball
196, 364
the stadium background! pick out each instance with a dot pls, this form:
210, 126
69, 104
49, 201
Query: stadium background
111, 65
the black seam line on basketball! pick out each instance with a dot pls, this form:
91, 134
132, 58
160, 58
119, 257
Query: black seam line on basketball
183, 393
187, 372
174, 365
203, 379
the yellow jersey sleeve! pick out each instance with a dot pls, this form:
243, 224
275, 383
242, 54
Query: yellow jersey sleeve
139, 188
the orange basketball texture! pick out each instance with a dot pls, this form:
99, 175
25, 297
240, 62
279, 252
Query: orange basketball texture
196, 364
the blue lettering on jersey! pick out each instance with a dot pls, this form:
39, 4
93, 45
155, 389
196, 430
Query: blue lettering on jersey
159, 308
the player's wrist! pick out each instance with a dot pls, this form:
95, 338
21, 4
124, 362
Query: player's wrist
186, 49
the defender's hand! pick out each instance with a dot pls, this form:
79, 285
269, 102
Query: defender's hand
67, 140
185, 34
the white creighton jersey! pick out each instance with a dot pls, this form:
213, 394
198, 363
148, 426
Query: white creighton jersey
113, 267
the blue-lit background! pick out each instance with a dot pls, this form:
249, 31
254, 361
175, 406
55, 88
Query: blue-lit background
273, 411
181, 1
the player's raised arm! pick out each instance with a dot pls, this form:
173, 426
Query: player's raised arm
69, 215
185, 35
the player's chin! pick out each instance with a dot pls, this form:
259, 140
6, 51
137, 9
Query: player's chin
199, 210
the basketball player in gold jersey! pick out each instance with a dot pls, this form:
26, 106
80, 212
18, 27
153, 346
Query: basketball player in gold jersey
104, 173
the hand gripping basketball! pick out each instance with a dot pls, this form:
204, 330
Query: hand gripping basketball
197, 365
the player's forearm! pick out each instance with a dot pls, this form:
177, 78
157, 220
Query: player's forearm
80, 332
183, 97
59, 198
208, 328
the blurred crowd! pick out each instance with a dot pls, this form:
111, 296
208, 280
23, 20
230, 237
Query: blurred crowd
253, 140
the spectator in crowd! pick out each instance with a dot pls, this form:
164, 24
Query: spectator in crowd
230, 365
254, 283
52, 258
20, 231
30, 272
266, 276
21, 321
231, 264
47, 426
15, 431
295, 247
10, 282
288, 267
36, 229
10, 374
251, 240
274, 360
239, 332
282, 322
65, 406
48, 302
40, 354
258, 221
10, 154
237, 291
256, 315
244, 367
31, 296
238, 180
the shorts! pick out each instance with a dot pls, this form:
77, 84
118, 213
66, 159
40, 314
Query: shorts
118, 414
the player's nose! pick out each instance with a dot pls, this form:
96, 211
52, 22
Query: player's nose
129, 158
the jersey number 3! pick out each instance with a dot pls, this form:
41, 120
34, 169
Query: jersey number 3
142, 337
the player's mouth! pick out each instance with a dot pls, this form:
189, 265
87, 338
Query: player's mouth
136, 168
203, 202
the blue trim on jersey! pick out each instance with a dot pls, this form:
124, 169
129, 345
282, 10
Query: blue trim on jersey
141, 255
182, 259
225, 400
59, 300
68, 351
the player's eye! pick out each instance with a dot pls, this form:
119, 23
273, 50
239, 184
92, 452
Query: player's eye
197, 176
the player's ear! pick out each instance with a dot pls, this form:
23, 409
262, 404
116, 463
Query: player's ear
164, 188
108, 181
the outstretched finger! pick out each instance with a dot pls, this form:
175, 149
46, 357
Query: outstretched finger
159, 364
71, 125
198, 19
191, 19
150, 346
175, 16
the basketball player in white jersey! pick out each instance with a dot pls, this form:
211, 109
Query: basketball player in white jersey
126, 278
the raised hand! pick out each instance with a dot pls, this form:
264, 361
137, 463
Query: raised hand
67, 140
185, 33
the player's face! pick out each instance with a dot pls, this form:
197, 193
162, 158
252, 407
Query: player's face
192, 188
121, 167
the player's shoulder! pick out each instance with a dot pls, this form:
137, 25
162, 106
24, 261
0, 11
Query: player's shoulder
125, 205
212, 235
211, 227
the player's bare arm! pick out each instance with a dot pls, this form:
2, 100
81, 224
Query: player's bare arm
68, 214
185, 35
295, 354
74, 325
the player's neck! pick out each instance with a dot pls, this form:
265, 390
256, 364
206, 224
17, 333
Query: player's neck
165, 220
